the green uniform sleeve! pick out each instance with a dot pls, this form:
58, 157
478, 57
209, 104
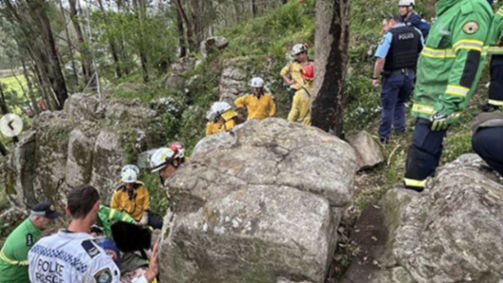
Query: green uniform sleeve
497, 27
469, 35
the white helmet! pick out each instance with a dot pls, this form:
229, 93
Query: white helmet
406, 3
257, 82
132, 167
129, 176
161, 158
298, 48
216, 109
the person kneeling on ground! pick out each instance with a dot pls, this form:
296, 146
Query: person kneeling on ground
133, 241
487, 129
221, 117
133, 198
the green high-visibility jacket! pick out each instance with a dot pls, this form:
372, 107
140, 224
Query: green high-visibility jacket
108, 216
496, 35
450, 64
14, 253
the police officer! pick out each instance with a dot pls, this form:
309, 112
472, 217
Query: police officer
396, 59
448, 71
72, 255
496, 51
13, 256
409, 17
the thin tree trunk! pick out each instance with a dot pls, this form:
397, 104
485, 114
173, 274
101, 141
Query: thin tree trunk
254, 8
197, 21
331, 43
87, 68
69, 43
3, 103
111, 42
181, 35
141, 12
188, 27
30, 87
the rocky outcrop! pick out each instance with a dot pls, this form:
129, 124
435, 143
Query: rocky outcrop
177, 78
233, 80
211, 43
451, 233
83, 144
259, 203
368, 152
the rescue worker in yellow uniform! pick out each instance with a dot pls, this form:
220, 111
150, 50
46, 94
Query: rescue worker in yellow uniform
302, 101
292, 73
221, 117
448, 72
259, 104
133, 198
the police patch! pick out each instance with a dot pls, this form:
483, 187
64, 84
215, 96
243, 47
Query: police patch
471, 27
103, 276
29, 240
90, 248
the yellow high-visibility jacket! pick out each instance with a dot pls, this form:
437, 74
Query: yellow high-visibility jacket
301, 108
295, 70
133, 202
257, 108
217, 127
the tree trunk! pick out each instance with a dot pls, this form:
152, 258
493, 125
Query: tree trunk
87, 67
111, 42
188, 28
254, 8
31, 93
331, 43
181, 36
198, 22
140, 9
69, 43
3, 103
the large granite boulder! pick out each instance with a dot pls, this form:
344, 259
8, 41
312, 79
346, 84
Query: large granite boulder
83, 144
257, 204
453, 232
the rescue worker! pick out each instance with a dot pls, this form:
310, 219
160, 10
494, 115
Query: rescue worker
165, 161
487, 129
448, 72
496, 51
409, 17
133, 198
221, 117
302, 101
396, 59
72, 255
14, 253
108, 216
259, 104
292, 73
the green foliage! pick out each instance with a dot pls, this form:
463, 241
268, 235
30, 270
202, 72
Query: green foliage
159, 199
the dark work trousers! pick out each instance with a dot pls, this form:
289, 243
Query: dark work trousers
291, 93
154, 220
487, 142
396, 89
496, 86
424, 154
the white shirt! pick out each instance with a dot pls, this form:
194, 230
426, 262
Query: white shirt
70, 257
